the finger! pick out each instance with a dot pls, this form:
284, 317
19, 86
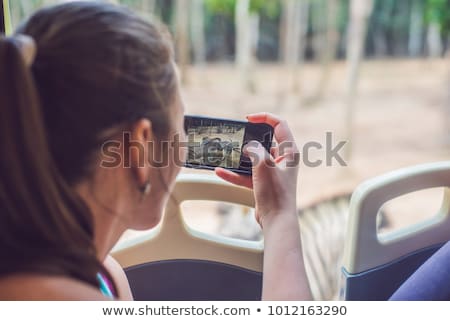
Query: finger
282, 133
234, 178
258, 154
264, 117
274, 151
286, 161
279, 159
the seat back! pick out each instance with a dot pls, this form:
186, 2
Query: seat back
175, 262
375, 265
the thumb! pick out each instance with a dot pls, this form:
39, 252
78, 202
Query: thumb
257, 154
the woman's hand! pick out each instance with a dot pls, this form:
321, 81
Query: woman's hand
274, 175
274, 182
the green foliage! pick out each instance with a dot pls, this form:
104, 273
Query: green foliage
131, 3
221, 7
343, 15
438, 11
271, 8
21, 9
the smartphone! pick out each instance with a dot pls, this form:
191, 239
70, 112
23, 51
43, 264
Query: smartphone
215, 142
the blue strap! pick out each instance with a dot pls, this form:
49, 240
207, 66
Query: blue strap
103, 286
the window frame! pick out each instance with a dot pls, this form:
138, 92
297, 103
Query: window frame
2, 17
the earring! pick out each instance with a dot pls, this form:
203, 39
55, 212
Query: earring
145, 189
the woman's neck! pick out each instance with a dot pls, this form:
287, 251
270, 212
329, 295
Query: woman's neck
109, 225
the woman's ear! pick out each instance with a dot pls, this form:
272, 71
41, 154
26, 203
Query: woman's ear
140, 147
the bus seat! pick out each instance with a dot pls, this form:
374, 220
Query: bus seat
374, 266
174, 262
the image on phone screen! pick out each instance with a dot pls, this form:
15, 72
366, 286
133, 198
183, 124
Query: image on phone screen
214, 142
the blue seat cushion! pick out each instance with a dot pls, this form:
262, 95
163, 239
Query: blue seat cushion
186, 280
431, 281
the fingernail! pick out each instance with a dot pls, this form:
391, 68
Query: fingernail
251, 144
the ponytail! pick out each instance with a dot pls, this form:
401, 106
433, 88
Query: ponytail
44, 227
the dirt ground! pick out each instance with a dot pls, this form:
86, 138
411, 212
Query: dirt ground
400, 121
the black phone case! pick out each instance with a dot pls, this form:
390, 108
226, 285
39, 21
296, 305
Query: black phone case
241, 170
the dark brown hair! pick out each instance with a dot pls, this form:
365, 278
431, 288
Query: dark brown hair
98, 67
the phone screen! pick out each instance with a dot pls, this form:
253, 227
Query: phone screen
214, 142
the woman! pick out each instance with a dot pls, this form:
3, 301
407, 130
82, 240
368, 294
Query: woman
74, 77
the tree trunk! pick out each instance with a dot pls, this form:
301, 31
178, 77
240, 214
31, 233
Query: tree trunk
293, 31
148, 6
447, 106
329, 49
182, 37
198, 31
6, 23
254, 39
318, 26
246, 40
447, 115
415, 29
359, 15
434, 41
386, 11
400, 30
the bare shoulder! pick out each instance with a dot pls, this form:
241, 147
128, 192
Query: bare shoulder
47, 288
120, 279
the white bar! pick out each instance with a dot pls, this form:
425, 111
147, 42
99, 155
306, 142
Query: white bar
93, 311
